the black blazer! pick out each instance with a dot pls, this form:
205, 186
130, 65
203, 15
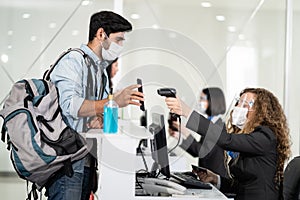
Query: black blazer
291, 180
210, 157
254, 171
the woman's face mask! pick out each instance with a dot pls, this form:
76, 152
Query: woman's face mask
240, 112
239, 116
202, 106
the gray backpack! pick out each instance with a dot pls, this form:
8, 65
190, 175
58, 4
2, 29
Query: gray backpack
41, 142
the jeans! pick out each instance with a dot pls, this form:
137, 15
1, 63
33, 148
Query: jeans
68, 188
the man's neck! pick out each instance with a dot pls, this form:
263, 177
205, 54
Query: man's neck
96, 48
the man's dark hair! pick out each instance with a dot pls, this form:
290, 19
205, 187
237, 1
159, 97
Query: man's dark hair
216, 101
111, 23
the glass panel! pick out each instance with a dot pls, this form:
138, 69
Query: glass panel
294, 90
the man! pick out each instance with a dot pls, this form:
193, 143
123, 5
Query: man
81, 102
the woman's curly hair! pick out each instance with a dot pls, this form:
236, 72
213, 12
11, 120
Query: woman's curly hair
268, 112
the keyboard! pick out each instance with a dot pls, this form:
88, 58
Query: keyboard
189, 180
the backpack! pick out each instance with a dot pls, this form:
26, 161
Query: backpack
41, 142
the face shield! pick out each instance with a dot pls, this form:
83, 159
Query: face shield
239, 108
232, 104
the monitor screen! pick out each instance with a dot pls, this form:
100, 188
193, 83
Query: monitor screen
159, 148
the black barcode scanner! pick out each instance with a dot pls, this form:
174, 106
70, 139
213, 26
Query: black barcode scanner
168, 92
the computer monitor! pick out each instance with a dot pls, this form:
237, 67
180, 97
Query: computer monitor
159, 148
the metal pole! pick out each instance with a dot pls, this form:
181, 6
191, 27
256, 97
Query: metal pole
288, 54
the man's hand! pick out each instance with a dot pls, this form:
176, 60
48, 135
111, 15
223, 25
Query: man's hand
96, 123
129, 96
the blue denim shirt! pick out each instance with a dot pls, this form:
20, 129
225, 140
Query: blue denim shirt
70, 77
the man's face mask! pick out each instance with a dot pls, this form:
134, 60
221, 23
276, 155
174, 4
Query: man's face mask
114, 50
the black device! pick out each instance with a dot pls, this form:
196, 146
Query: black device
172, 118
189, 180
168, 92
199, 169
140, 89
159, 149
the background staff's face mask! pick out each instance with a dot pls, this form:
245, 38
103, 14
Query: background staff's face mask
202, 107
202, 104
114, 50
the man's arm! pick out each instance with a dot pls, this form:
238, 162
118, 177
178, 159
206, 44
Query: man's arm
127, 96
91, 108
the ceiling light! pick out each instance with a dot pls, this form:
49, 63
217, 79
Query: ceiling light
26, 15
231, 29
206, 4
135, 16
220, 18
85, 2
242, 37
33, 38
4, 58
9, 47
155, 26
75, 32
10, 32
52, 25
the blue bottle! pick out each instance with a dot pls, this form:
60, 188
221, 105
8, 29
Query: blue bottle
110, 122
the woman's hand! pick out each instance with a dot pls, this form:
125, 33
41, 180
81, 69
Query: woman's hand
173, 133
177, 106
185, 132
208, 177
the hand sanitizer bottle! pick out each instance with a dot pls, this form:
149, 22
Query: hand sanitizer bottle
110, 122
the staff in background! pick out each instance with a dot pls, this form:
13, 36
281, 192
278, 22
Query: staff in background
212, 105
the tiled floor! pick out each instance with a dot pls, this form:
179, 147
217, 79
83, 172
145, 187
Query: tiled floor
13, 188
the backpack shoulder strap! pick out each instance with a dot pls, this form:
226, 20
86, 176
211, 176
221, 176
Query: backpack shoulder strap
89, 62
46, 75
